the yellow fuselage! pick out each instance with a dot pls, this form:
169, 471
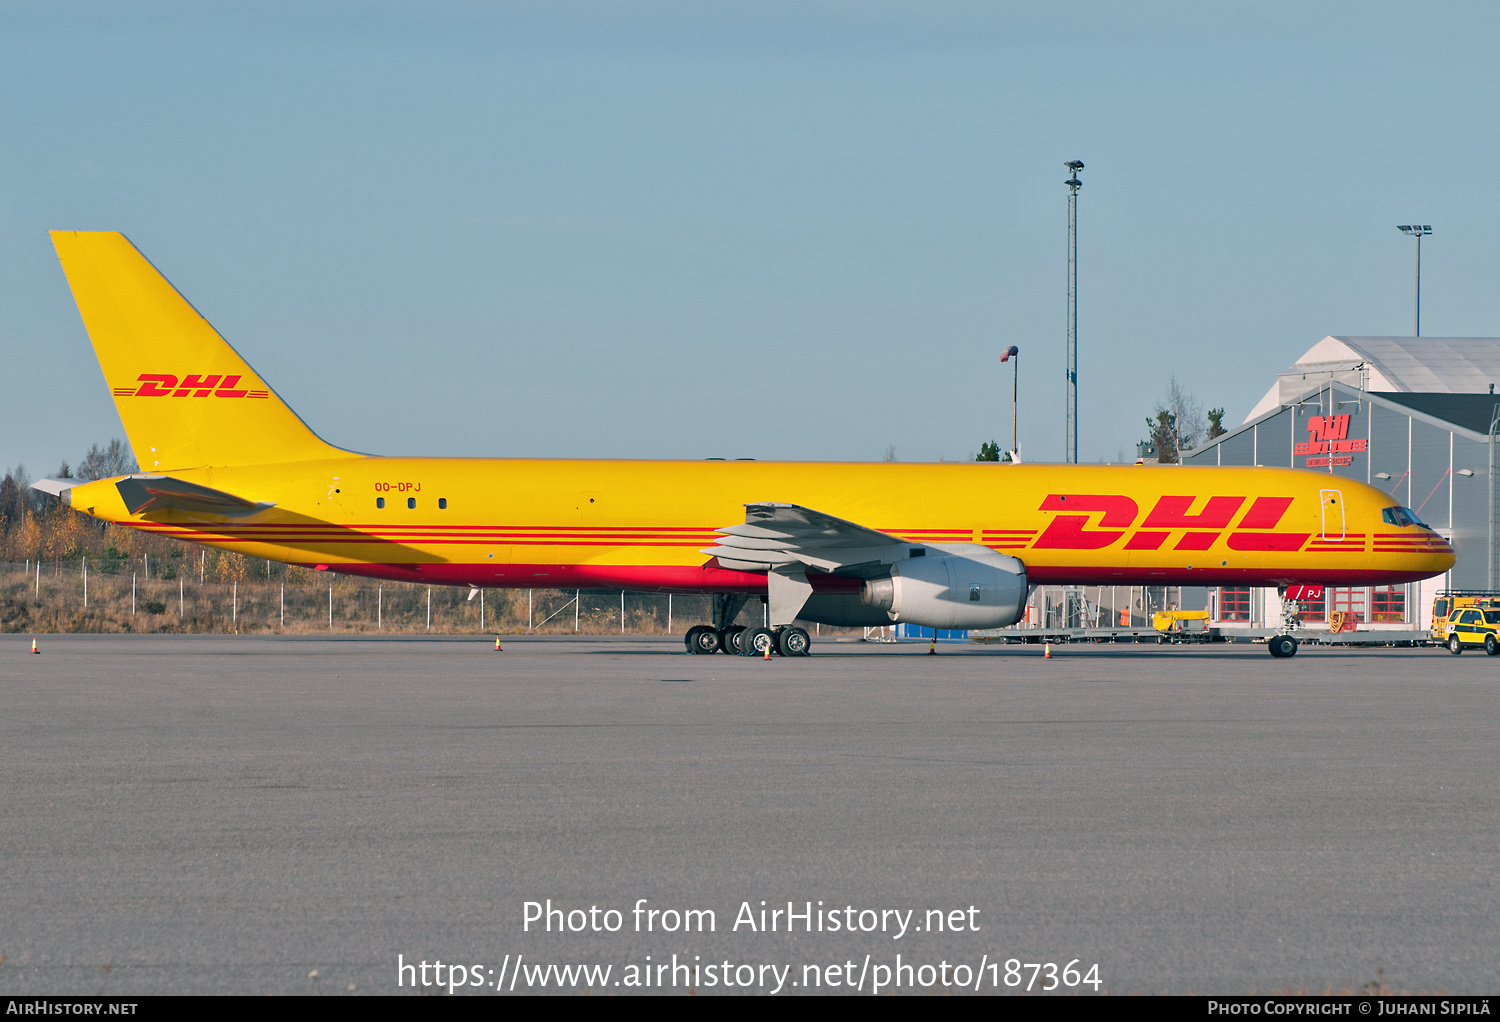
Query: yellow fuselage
643, 524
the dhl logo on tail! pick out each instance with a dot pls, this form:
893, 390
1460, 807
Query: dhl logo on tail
167, 385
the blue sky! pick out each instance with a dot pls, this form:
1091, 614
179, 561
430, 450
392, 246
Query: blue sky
776, 230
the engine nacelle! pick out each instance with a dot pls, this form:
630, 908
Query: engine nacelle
955, 585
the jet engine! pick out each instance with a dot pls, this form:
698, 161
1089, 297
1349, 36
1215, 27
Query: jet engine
957, 585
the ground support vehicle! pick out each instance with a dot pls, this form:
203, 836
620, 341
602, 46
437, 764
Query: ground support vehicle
1447, 604
1176, 626
1472, 628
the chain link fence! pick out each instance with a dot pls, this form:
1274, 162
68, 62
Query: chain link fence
160, 596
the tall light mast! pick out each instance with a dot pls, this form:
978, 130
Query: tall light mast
1071, 452
1418, 231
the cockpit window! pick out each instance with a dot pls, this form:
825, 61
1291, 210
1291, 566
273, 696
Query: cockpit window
1401, 516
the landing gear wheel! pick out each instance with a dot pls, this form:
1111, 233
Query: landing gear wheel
1283, 646
701, 639
1455, 646
793, 642
730, 640
756, 642
1491, 646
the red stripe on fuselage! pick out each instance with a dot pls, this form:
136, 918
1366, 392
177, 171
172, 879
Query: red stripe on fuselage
708, 578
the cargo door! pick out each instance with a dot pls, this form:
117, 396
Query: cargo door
1333, 513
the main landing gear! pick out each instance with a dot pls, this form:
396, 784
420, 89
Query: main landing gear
703, 639
737, 640
787, 640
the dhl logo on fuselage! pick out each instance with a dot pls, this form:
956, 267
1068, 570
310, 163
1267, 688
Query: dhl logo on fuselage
193, 384
1118, 514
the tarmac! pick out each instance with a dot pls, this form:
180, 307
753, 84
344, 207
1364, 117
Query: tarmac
225, 814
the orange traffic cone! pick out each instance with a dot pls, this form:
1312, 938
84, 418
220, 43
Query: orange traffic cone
932, 649
497, 645
768, 648
1048, 654
33, 646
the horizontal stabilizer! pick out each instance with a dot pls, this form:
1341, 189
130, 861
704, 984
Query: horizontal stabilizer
163, 493
56, 486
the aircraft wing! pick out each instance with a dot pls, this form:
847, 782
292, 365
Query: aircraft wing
145, 493
779, 535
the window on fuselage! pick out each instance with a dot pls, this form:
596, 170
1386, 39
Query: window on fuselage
380, 502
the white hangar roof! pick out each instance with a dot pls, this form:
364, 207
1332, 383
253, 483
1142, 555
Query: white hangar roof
1411, 365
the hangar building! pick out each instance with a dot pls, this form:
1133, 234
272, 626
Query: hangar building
1415, 416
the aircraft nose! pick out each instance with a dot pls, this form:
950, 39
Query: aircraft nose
1419, 547
1436, 544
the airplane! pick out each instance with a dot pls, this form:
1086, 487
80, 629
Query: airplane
226, 463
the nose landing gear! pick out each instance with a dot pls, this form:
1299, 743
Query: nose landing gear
1282, 646
1285, 644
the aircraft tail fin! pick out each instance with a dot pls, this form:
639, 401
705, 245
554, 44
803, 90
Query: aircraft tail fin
187, 399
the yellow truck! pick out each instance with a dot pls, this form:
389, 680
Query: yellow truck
1469, 619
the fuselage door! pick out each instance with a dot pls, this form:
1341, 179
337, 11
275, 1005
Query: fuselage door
1333, 513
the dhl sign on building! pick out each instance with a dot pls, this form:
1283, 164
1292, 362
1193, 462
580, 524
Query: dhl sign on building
1412, 416
1329, 443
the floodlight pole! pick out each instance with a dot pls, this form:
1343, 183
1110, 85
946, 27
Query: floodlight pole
1417, 231
1013, 352
1070, 453
1491, 572
1416, 330
1015, 394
